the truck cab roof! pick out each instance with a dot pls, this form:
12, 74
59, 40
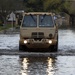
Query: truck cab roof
38, 13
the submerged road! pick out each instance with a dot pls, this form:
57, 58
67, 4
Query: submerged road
14, 62
9, 43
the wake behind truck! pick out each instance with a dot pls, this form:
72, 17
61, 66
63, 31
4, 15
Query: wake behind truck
38, 30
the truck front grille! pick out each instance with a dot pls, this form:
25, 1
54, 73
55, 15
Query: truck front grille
37, 35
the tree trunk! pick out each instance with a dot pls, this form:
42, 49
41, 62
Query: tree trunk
72, 20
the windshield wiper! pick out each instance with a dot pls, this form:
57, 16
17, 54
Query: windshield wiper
43, 17
33, 18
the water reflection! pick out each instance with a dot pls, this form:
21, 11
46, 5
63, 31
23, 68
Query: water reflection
37, 66
24, 66
50, 68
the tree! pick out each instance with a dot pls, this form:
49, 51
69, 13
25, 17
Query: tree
10, 5
33, 5
51, 5
69, 9
66, 6
7, 6
56, 6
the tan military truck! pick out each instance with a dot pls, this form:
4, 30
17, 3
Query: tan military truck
38, 30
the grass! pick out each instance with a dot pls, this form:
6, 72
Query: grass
5, 27
1, 28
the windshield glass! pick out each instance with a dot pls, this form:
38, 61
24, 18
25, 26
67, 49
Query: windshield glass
46, 21
30, 21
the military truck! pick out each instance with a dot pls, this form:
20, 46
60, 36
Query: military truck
38, 30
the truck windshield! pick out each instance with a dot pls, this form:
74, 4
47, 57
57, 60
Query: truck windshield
45, 21
30, 21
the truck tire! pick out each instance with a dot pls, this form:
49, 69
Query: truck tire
21, 47
56, 46
53, 48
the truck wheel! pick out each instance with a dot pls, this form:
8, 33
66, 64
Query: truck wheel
53, 48
56, 46
21, 47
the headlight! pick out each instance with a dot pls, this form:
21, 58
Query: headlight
50, 41
25, 41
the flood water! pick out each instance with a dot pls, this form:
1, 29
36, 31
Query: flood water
66, 40
16, 65
38, 65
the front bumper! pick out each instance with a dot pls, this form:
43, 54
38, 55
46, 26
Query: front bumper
43, 43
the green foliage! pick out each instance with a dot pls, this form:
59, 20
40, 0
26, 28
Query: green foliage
38, 5
33, 5
11, 5
51, 5
65, 7
5, 27
47, 5
71, 8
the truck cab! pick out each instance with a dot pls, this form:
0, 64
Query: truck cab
38, 30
